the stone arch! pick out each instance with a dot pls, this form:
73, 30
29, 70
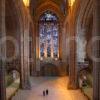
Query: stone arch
53, 7
83, 20
77, 20
17, 10
14, 29
20, 23
86, 11
15, 18
49, 5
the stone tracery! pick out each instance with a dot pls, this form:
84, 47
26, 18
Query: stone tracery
49, 31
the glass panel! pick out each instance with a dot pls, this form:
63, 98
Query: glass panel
49, 30
48, 16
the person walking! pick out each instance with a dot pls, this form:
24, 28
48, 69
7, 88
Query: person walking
47, 91
43, 93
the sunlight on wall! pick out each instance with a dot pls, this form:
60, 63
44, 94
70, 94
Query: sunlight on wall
71, 2
26, 3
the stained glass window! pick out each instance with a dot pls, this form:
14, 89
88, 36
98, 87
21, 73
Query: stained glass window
49, 32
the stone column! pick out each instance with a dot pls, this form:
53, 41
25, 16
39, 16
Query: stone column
2, 51
73, 82
25, 73
37, 48
60, 41
96, 50
33, 49
64, 50
37, 41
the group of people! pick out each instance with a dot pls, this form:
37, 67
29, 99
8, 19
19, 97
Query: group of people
45, 92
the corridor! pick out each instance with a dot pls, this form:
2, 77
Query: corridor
57, 87
41, 38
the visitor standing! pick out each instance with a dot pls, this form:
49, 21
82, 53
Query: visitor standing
43, 93
47, 91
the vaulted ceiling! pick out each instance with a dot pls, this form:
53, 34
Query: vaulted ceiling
58, 2
37, 3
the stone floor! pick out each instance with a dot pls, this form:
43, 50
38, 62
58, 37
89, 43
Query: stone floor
57, 87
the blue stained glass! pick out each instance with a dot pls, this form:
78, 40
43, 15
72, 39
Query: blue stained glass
48, 16
48, 33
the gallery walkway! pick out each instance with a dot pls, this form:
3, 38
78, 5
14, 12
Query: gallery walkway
57, 90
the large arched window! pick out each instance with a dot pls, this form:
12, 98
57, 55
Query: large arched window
49, 35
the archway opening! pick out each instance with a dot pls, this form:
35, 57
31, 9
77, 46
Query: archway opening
12, 25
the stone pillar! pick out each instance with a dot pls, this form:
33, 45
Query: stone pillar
33, 49
73, 82
2, 51
64, 50
96, 50
25, 73
37, 48
37, 41
60, 41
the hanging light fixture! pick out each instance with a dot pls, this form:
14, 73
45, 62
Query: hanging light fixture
71, 2
26, 3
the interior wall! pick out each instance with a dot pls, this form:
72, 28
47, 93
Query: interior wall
12, 32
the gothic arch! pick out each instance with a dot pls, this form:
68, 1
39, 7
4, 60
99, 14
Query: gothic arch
15, 20
82, 26
53, 7
79, 17
20, 23
85, 13
49, 5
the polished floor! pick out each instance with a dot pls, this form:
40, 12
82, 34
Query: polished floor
57, 87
